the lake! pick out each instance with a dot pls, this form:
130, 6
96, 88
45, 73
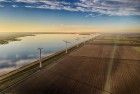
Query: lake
18, 53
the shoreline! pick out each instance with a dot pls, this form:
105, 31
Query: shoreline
5, 38
36, 62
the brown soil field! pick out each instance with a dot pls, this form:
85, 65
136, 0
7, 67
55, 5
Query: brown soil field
96, 51
119, 39
125, 78
127, 52
84, 71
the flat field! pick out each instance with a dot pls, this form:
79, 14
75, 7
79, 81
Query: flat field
91, 69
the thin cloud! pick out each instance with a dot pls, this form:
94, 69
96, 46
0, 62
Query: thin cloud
1, 6
107, 7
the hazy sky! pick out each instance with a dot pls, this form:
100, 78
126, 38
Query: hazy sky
70, 15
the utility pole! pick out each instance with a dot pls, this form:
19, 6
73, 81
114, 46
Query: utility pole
66, 42
92, 37
77, 39
40, 62
84, 40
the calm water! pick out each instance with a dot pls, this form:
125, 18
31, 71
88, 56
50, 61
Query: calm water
18, 53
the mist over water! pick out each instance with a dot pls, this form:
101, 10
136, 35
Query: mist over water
18, 53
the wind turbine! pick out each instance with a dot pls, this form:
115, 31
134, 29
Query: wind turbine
66, 45
40, 62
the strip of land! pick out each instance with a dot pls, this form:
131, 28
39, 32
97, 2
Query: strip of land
6, 37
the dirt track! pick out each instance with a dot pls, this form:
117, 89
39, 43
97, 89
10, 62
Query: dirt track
85, 72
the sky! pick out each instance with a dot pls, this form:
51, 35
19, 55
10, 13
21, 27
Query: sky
70, 16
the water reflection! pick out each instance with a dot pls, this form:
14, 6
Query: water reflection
18, 53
